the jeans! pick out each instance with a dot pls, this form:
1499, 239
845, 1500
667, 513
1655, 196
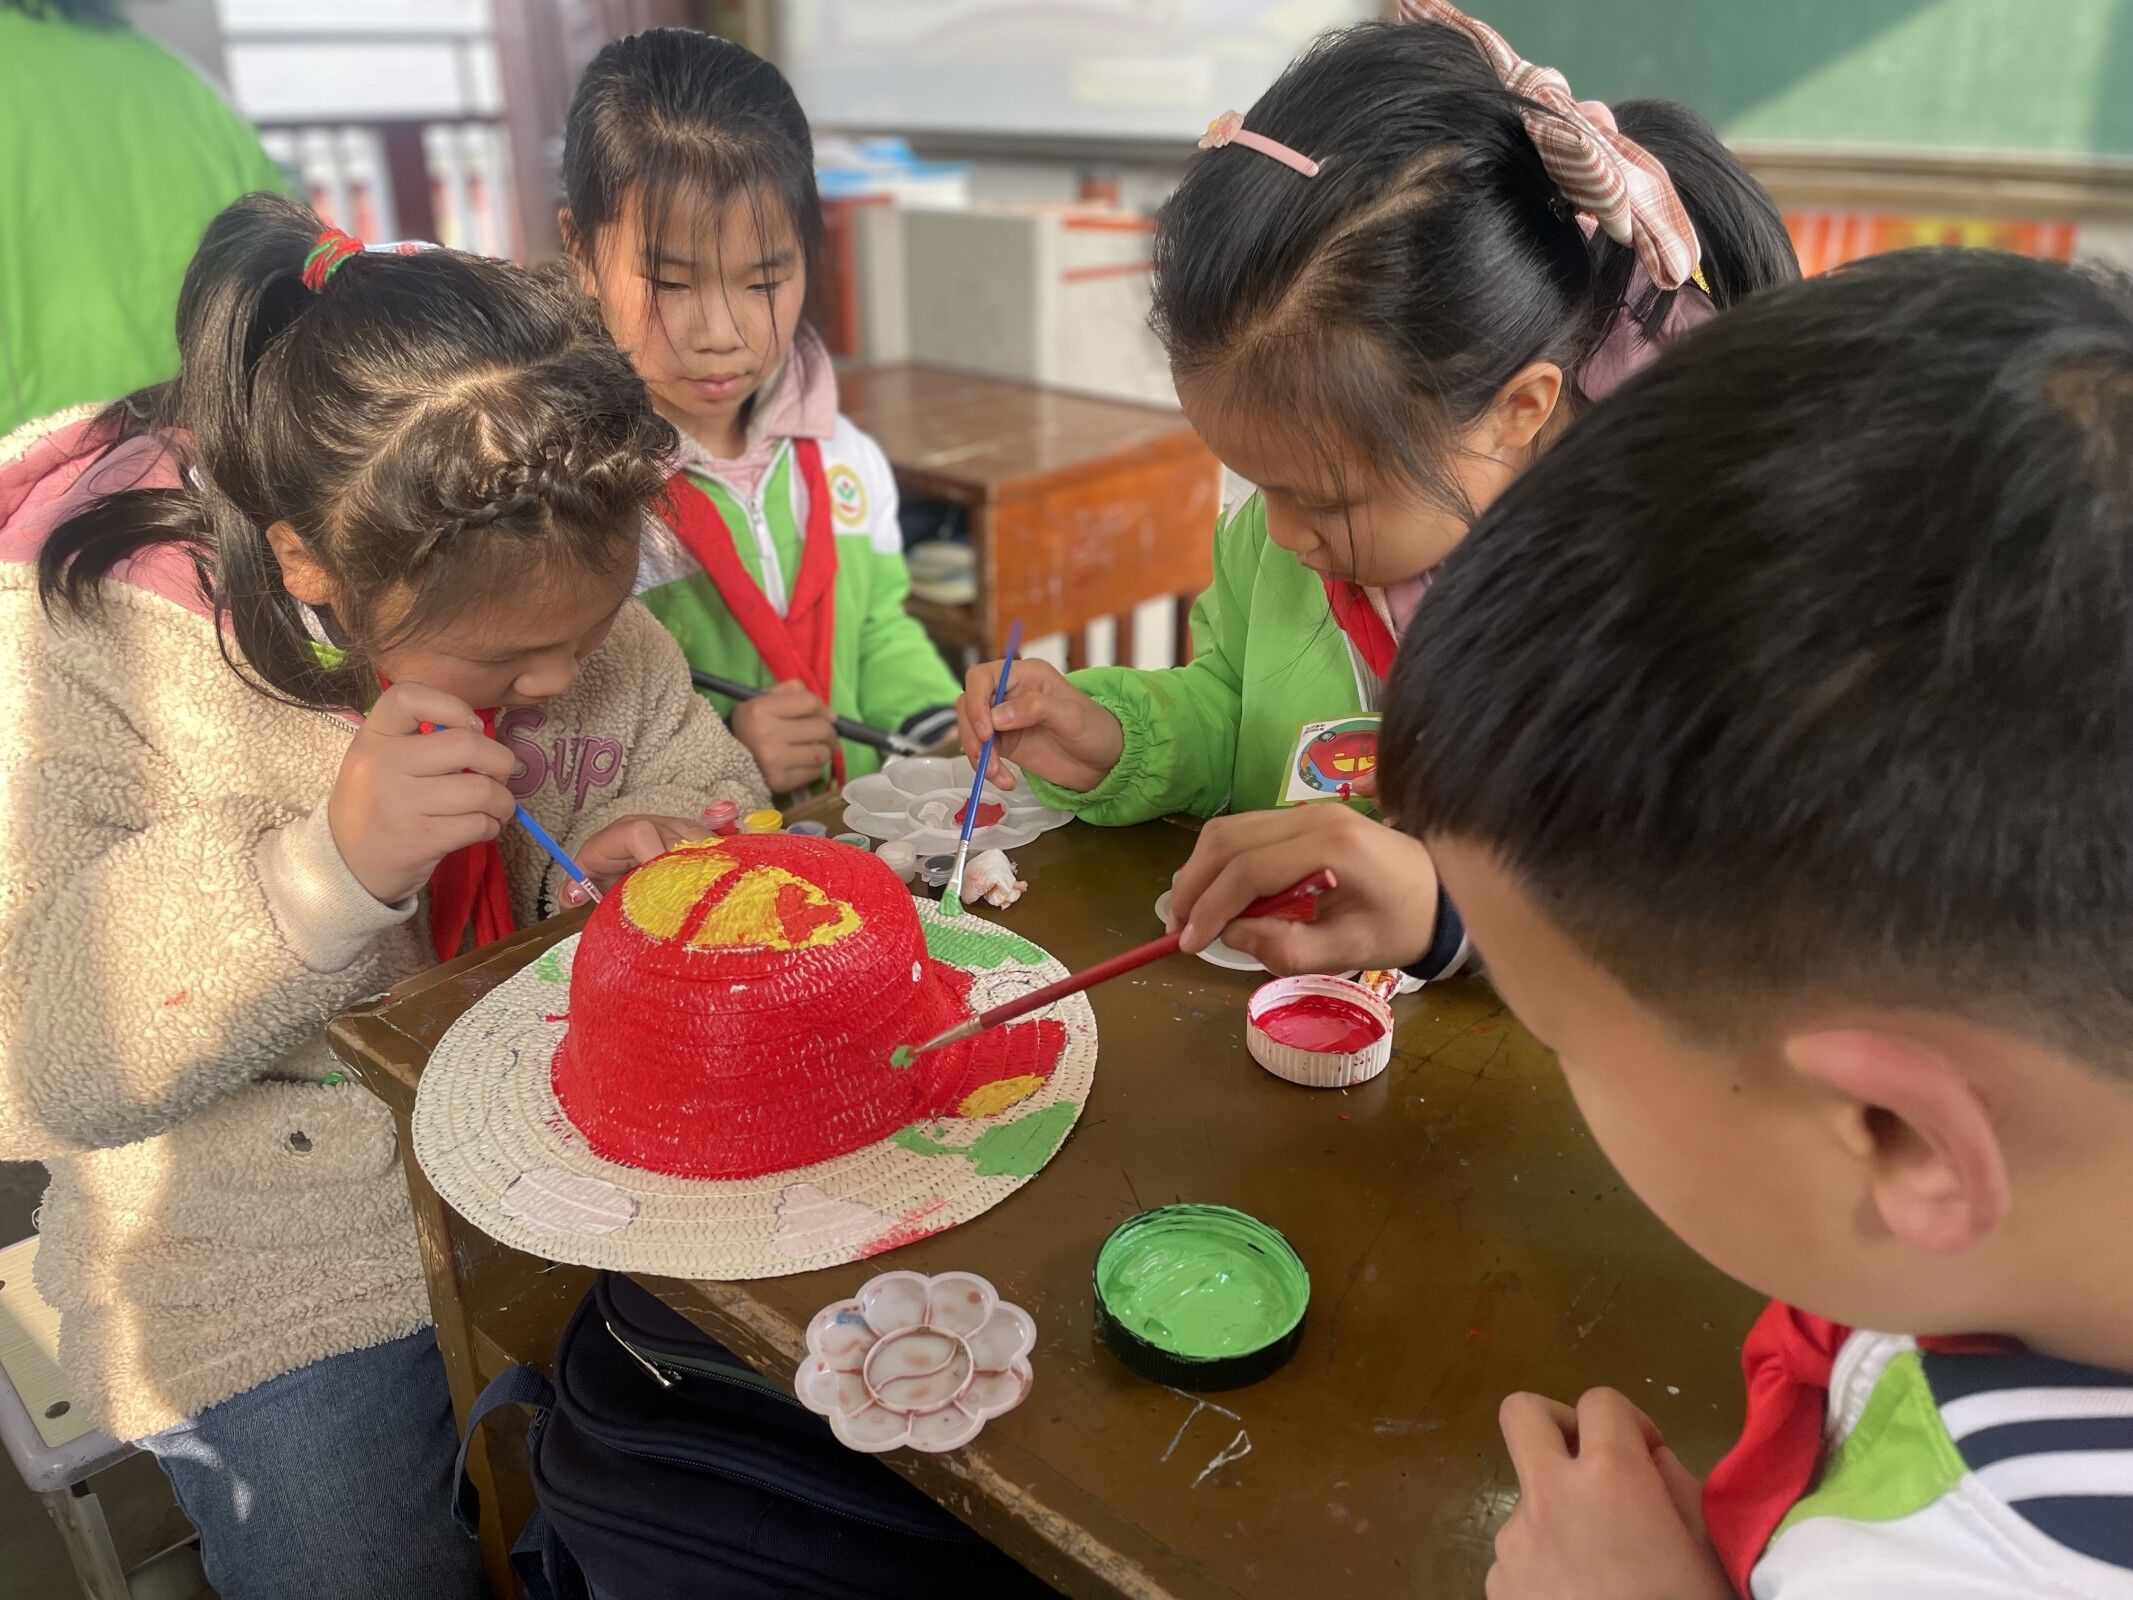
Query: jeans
332, 1482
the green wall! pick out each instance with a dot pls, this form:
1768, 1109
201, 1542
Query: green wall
2049, 76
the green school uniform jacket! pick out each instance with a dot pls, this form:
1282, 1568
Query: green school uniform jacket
1219, 733
884, 670
117, 156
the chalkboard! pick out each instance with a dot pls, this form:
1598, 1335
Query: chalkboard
2052, 77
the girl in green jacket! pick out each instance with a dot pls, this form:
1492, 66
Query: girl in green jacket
1384, 290
691, 210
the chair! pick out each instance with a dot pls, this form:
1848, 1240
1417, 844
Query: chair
54, 1450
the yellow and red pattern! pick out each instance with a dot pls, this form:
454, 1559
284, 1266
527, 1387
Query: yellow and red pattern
699, 895
1828, 239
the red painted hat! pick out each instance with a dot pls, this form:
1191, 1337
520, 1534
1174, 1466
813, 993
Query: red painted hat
735, 1003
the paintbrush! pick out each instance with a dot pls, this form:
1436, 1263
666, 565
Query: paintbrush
556, 853
1297, 903
540, 837
858, 732
952, 899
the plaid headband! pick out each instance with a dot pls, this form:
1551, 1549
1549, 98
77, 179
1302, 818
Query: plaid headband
334, 247
1616, 181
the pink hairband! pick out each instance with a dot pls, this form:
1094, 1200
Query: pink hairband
1229, 128
1616, 181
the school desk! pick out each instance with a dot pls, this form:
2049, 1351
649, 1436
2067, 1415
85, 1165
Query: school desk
1464, 1237
1080, 507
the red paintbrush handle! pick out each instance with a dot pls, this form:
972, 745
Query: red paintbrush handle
1074, 983
1298, 903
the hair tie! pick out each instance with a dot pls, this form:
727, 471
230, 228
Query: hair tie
1617, 182
334, 247
1229, 128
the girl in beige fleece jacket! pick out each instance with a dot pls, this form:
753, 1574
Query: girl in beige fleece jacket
415, 467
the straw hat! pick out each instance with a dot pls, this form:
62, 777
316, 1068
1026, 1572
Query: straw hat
700, 1084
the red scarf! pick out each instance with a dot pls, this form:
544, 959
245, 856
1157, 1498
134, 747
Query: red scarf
798, 644
470, 886
1366, 630
1786, 1359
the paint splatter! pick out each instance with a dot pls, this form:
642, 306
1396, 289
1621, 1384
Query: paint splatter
1017, 1149
1014, 1149
986, 947
550, 968
178, 999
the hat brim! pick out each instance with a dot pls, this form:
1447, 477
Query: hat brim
495, 1144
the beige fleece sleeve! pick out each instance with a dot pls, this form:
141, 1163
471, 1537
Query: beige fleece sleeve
679, 755
155, 952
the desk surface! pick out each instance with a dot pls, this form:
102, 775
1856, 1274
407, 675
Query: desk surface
950, 429
1464, 1237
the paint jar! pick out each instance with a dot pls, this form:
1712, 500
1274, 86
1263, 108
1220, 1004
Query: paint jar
1324, 1033
935, 871
723, 818
810, 830
900, 859
765, 821
1200, 1297
858, 841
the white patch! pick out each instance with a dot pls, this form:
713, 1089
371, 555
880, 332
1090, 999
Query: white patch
811, 1222
555, 1201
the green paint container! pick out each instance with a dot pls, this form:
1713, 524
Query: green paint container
1200, 1297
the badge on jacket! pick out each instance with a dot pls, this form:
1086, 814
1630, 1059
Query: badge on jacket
848, 497
1329, 759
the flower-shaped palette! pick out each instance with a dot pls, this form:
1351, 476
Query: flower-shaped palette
917, 1361
920, 800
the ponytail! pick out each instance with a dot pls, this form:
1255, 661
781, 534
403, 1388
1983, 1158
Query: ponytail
1745, 248
424, 422
1433, 255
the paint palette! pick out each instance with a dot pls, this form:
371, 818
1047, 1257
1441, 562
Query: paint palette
917, 1362
920, 799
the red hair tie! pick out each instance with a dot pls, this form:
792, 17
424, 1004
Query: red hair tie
332, 249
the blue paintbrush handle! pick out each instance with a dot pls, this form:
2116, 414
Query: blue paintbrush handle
999, 693
540, 837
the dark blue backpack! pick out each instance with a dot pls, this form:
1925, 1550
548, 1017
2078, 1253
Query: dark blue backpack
667, 1469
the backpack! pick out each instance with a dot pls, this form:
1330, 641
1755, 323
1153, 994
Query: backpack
666, 1468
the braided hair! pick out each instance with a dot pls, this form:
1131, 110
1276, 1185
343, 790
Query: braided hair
432, 426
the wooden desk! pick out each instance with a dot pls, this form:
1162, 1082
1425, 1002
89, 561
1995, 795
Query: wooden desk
1080, 507
1464, 1236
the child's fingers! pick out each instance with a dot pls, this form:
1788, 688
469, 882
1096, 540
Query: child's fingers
1221, 842
1610, 1420
677, 830
793, 699
442, 835
1246, 877
1683, 1487
629, 843
975, 707
405, 707
1537, 1432
460, 794
455, 750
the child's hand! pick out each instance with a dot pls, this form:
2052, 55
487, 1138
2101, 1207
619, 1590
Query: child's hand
623, 846
789, 732
1605, 1510
405, 799
1045, 724
1382, 911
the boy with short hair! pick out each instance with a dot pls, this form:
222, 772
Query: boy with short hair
1781, 760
